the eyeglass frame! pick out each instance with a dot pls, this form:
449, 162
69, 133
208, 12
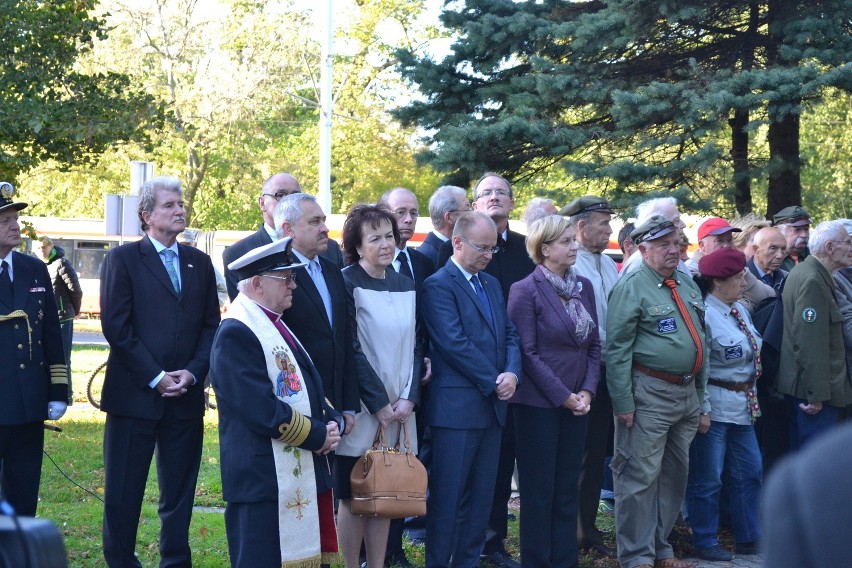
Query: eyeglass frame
287, 279
276, 195
479, 249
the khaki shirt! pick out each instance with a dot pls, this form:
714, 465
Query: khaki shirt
645, 326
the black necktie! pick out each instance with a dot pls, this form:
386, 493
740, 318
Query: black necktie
5, 280
404, 268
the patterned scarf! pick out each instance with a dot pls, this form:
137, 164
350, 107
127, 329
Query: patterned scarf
569, 290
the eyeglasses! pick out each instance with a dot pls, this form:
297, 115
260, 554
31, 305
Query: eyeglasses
490, 192
287, 279
277, 196
467, 210
492, 250
844, 242
400, 213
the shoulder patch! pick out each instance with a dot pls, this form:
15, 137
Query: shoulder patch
809, 315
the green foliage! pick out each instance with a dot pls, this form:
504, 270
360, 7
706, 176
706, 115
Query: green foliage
633, 96
49, 109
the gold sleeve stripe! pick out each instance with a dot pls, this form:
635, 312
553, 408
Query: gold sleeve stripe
296, 431
58, 375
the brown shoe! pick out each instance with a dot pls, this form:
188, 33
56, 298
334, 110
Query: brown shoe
673, 563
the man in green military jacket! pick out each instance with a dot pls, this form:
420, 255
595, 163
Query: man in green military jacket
656, 373
812, 372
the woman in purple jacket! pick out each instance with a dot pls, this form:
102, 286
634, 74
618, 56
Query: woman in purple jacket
554, 311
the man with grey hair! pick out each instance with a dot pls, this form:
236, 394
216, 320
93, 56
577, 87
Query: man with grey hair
159, 312
665, 207
812, 372
445, 206
537, 208
276, 187
319, 315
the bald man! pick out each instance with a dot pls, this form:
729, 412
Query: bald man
274, 189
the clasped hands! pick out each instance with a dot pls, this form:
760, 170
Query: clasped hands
175, 383
579, 403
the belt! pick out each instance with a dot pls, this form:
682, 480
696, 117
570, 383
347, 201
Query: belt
732, 385
681, 380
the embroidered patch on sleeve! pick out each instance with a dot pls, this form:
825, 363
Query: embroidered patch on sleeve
809, 315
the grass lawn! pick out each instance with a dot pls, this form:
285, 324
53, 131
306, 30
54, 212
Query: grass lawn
78, 451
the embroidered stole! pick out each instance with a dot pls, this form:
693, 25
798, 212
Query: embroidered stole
298, 517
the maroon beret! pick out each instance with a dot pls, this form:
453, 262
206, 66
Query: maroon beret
722, 263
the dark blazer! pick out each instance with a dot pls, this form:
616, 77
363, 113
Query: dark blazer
250, 415
467, 352
330, 348
510, 264
422, 268
430, 247
151, 329
777, 277
555, 364
258, 239
25, 375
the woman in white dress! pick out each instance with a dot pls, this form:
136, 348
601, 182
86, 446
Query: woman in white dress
387, 347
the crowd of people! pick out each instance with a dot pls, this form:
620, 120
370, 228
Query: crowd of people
692, 375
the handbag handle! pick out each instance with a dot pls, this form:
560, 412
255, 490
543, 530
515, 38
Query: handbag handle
379, 440
403, 431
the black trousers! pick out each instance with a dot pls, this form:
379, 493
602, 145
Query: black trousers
598, 439
21, 448
129, 445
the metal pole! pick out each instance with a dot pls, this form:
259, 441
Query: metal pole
327, 56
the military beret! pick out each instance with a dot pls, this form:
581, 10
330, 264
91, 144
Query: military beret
586, 204
654, 228
722, 263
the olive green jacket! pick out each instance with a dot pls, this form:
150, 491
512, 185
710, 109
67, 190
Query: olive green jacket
813, 355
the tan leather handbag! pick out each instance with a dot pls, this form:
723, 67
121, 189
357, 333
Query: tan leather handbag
388, 482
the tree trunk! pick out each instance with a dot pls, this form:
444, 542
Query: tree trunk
785, 183
739, 153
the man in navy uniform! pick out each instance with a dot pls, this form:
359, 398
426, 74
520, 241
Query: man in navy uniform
33, 376
275, 424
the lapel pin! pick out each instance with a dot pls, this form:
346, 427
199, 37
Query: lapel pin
189, 266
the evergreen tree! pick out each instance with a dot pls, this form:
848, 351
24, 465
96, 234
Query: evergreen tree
635, 94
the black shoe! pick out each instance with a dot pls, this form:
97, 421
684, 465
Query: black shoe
600, 548
747, 548
715, 554
501, 559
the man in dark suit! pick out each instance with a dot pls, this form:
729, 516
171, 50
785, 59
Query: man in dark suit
476, 363
409, 262
275, 427
769, 249
159, 312
319, 315
445, 206
493, 196
33, 376
275, 188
